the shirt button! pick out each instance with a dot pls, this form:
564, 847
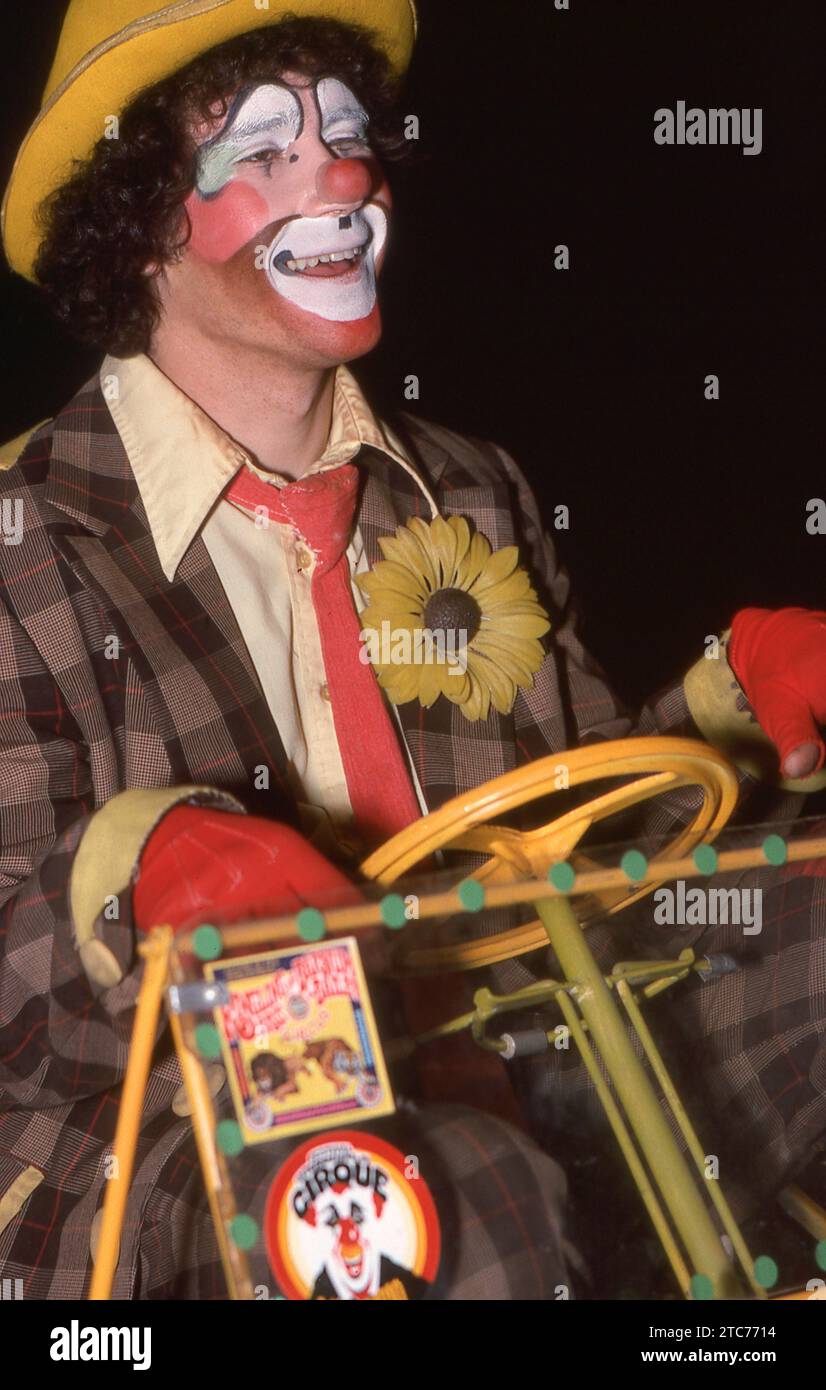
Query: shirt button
325, 693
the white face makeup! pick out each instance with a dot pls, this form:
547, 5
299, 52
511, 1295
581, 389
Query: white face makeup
344, 121
354, 1261
323, 264
269, 118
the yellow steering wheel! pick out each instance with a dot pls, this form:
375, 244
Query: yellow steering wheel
466, 823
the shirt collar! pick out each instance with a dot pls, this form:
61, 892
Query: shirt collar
183, 461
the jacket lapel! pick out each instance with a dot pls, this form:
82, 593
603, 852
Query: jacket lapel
182, 635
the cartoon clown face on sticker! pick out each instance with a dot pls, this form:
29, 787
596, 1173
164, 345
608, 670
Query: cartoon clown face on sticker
347, 1218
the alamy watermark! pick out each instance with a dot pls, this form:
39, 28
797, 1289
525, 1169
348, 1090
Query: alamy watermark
420, 646
11, 520
691, 125
702, 907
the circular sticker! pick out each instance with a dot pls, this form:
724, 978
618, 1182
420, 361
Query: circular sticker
349, 1217
257, 1115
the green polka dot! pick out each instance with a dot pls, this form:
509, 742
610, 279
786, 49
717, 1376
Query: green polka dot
702, 1288
392, 910
471, 895
820, 1254
310, 923
244, 1231
208, 943
705, 859
229, 1138
634, 864
207, 1041
562, 876
765, 1271
774, 848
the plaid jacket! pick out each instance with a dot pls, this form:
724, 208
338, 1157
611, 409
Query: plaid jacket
172, 708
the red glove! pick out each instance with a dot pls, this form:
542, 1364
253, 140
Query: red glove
779, 658
201, 865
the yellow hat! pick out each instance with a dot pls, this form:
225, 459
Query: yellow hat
110, 50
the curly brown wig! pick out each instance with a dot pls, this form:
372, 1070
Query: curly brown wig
122, 209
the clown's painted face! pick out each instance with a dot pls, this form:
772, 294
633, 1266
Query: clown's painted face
354, 1259
289, 222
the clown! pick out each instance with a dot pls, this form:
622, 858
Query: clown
353, 1264
189, 728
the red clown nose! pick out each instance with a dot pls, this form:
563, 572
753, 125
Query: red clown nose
344, 181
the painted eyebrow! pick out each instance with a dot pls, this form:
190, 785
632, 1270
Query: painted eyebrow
349, 106
238, 127
341, 112
244, 129
345, 109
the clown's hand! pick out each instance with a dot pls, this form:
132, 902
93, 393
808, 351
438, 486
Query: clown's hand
779, 658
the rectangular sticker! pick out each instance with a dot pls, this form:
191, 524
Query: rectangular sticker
299, 1040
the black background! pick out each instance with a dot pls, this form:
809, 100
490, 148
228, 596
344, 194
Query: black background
537, 129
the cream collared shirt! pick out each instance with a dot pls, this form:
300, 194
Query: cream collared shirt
182, 462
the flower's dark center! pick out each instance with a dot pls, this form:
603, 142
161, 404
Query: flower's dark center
452, 610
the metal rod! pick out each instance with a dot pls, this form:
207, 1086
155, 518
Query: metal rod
804, 1210
213, 1165
155, 952
639, 1101
686, 1128
623, 1137
340, 920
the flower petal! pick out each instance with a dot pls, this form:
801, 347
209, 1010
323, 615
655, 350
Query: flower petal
477, 705
460, 526
420, 529
526, 624
454, 683
471, 567
455, 688
499, 567
516, 658
400, 682
407, 549
516, 588
444, 551
430, 686
389, 607
488, 673
397, 578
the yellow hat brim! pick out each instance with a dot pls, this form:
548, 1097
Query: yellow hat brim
145, 52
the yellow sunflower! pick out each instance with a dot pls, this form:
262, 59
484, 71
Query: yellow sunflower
440, 580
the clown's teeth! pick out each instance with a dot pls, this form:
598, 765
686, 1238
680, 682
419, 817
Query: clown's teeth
310, 262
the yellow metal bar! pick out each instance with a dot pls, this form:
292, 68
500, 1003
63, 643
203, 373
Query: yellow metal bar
623, 1137
804, 1210
213, 1165
155, 952
660, 1149
689, 1134
341, 920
